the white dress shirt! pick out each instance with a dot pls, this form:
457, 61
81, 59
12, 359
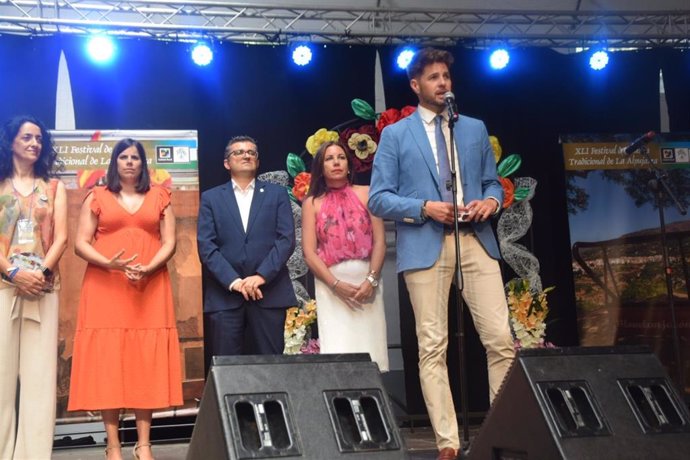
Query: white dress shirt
244, 203
244, 200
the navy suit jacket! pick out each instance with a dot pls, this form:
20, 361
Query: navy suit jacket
227, 252
405, 174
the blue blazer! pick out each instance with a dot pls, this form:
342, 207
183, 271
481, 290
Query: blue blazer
227, 252
405, 174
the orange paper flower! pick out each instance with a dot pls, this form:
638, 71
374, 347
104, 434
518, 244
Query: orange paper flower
301, 187
508, 191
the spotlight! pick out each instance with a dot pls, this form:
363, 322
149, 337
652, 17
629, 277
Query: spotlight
599, 60
499, 59
302, 55
404, 58
202, 54
101, 49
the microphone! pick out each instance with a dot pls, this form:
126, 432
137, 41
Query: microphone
449, 97
639, 142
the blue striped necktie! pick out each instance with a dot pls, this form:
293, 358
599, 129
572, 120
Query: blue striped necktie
443, 164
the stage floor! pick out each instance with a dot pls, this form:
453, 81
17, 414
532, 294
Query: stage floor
418, 441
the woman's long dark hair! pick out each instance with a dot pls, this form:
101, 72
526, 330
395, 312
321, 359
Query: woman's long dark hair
44, 166
317, 185
113, 177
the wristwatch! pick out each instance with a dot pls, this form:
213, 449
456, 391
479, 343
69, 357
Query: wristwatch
373, 281
47, 272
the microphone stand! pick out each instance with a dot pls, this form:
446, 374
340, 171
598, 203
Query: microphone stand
660, 185
459, 285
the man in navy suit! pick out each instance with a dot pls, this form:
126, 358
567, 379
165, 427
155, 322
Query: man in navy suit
245, 235
409, 185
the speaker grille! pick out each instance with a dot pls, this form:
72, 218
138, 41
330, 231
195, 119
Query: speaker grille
262, 426
359, 422
573, 409
654, 405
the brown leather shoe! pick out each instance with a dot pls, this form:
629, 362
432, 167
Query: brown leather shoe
447, 453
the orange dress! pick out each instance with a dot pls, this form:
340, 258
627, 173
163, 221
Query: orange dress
126, 346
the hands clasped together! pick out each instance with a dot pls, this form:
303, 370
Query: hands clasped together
353, 295
133, 272
31, 283
249, 287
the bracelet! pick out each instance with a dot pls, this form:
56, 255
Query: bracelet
422, 213
12, 272
335, 283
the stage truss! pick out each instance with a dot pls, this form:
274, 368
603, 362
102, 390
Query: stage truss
285, 23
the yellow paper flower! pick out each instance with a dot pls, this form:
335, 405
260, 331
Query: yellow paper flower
498, 150
318, 138
362, 144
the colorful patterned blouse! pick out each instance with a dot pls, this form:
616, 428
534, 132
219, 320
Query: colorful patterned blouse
37, 207
343, 227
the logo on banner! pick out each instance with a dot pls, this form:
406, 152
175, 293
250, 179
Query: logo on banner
164, 154
675, 155
181, 154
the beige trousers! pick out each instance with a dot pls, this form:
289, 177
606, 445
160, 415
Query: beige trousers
484, 295
28, 354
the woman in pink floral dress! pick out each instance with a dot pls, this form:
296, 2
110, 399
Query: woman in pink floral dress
344, 247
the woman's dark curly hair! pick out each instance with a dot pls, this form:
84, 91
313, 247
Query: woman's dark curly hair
46, 163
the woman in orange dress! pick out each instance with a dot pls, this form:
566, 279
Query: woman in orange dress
126, 346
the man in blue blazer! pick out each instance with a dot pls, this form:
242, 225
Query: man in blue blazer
410, 185
245, 235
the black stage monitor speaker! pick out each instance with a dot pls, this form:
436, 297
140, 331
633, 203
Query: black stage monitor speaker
304, 406
585, 403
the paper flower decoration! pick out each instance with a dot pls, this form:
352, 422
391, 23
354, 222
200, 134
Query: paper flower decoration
391, 116
362, 144
319, 137
301, 187
496, 146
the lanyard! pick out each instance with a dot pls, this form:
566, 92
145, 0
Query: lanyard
31, 198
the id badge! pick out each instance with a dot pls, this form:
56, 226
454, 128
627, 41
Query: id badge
25, 231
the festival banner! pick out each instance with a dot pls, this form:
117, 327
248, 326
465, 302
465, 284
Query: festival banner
173, 162
615, 219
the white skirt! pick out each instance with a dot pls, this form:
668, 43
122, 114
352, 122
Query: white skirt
343, 330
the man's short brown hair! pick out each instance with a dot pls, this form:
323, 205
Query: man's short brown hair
425, 57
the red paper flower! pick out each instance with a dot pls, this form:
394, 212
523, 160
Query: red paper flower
388, 117
407, 111
391, 116
301, 187
509, 191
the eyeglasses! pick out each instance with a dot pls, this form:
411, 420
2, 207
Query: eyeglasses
240, 153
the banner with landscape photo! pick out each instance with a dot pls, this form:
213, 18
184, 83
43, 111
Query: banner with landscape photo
615, 219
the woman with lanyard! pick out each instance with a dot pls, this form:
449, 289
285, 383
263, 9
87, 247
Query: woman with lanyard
33, 236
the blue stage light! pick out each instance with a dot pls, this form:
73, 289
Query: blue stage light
101, 49
302, 55
202, 54
404, 58
599, 60
499, 59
